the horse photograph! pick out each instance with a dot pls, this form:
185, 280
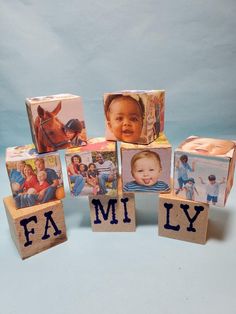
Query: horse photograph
57, 122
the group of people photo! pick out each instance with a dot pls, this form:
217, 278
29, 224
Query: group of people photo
33, 183
97, 172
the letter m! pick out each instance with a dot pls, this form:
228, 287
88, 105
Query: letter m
105, 214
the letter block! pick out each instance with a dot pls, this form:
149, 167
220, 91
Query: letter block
182, 219
134, 116
56, 121
35, 229
113, 213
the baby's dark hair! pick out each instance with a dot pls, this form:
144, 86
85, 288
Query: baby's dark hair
212, 177
108, 100
183, 158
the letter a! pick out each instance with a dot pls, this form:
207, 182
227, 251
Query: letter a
48, 215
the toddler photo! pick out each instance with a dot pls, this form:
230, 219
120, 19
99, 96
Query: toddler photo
133, 116
146, 170
125, 116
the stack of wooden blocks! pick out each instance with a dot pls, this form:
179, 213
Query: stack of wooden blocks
35, 210
135, 122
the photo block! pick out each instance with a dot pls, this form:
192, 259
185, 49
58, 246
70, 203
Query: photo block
113, 213
204, 169
35, 229
56, 122
34, 178
146, 168
93, 169
182, 219
134, 116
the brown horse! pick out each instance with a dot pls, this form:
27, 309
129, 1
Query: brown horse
49, 130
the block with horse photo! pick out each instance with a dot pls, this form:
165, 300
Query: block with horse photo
56, 122
34, 178
92, 169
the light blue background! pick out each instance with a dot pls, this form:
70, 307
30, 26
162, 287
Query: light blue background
90, 47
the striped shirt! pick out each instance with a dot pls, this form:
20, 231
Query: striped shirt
133, 186
106, 167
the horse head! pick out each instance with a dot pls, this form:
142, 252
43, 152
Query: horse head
49, 130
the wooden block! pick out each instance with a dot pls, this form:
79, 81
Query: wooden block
35, 229
134, 116
146, 168
113, 213
34, 178
56, 121
93, 169
204, 169
182, 219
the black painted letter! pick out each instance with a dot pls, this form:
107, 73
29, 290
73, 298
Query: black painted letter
105, 214
126, 217
167, 225
198, 209
48, 216
24, 223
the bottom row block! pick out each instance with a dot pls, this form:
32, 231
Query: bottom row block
37, 228
182, 219
113, 213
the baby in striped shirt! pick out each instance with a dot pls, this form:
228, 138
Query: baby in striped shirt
146, 169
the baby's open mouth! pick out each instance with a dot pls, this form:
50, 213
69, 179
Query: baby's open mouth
147, 181
127, 132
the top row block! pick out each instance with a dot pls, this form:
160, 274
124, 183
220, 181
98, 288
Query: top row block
56, 122
134, 116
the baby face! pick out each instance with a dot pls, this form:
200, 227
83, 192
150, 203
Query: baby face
146, 171
208, 146
125, 119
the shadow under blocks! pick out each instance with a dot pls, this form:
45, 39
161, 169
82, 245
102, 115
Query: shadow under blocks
218, 226
146, 209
